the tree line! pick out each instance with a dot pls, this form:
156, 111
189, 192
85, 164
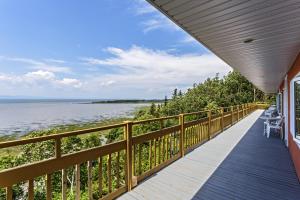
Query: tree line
232, 89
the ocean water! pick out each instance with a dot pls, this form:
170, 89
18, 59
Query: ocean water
22, 116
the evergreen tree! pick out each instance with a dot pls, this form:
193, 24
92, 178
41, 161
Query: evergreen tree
180, 93
174, 96
152, 110
166, 101
158, 111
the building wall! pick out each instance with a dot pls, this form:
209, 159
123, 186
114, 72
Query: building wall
292, 145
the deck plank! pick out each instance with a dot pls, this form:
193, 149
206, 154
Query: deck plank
238, 164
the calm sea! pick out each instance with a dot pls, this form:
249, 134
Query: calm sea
22, 116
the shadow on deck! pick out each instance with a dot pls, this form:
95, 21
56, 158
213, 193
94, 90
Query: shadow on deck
257, 168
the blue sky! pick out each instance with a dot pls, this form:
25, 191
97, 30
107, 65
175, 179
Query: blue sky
96, 49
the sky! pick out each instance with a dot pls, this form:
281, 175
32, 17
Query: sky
106, 49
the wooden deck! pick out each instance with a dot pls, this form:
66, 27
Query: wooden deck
238, 164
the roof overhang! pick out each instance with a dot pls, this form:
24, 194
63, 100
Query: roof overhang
224, 26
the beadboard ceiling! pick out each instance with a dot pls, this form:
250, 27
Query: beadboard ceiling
225, 26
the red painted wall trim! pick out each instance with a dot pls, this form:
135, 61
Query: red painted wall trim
293, 147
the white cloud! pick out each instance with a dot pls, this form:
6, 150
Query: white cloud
70, 82
107, 83
155, 20
141, 7
154, 71
159, 22
40, 75
47, 64
136, 72
138, 59
5, 78
189, 39
39, 79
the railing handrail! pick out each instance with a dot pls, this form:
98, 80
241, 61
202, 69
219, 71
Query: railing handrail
58, 135
13, 143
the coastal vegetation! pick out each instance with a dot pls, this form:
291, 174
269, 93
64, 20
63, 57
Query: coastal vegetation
232, 89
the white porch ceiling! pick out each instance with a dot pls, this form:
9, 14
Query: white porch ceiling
223, 26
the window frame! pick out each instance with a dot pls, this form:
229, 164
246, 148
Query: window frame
279, 103
296, 136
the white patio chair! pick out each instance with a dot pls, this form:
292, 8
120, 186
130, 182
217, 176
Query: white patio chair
270, 111
274, 124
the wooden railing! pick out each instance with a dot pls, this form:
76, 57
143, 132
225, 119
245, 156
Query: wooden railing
121, 165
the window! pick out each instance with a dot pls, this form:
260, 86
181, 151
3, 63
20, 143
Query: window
279, 103
297, 108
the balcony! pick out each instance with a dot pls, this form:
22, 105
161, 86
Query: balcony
215, 154
238, 164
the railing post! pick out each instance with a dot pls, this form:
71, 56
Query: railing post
209, 123
9, 193
222, 119
89, 179
31, 189
182, 130
48, 184
57, 148
128, 137
242, 114
64, 184
232, 115
241, 110
238, 113
77, 182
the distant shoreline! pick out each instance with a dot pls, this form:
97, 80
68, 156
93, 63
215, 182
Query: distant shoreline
83, 101
129, 101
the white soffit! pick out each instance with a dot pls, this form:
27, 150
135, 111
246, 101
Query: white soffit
223, 26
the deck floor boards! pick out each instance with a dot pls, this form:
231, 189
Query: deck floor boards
238, 164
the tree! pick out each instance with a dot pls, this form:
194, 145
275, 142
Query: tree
166, 101
158, 110
180, 93
174, 96
114, 135
152, 109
